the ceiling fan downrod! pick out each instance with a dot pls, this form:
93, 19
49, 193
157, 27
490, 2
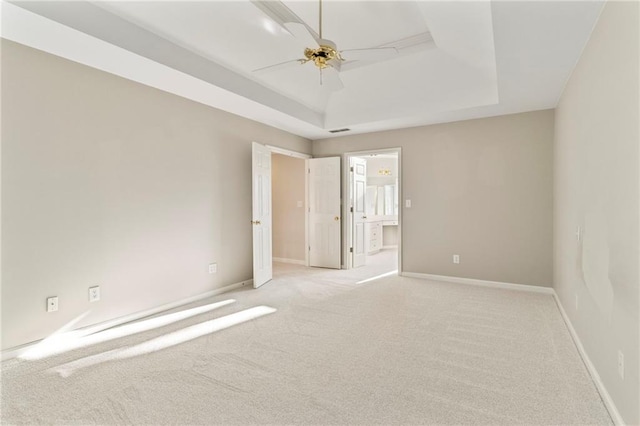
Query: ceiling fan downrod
326, 52
320, 18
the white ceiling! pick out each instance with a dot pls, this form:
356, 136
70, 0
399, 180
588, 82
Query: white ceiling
458, 60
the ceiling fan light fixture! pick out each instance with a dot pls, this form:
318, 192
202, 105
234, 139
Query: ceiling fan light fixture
322, 56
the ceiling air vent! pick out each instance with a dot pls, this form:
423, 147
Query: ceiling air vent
339, 130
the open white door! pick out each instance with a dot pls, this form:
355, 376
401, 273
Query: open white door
261, 222
359, 188
324, 212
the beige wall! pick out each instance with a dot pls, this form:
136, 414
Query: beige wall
288, 189
596, 188
106, 181
480, 188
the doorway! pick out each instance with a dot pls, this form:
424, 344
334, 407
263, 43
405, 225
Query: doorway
289, 194
372, 228
317, 200
305, 209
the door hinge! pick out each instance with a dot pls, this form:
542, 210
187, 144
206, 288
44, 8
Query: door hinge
350, 249
309, 171
309, 248
351, 209
351, 168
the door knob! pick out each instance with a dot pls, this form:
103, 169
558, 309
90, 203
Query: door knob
364, 217
336, 218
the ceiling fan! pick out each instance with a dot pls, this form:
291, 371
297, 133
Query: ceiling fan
324, 53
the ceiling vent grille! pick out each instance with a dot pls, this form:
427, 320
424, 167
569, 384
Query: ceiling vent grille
339, 130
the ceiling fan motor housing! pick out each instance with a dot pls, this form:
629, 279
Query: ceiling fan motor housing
326, 55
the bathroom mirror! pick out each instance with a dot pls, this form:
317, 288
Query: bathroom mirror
382, 200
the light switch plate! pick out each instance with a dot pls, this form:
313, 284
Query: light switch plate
94, 294
621, 364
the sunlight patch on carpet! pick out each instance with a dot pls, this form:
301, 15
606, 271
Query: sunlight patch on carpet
59, 343
166, 341
377, 277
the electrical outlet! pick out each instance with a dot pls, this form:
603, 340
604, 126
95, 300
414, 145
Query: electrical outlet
407, 203
456, 258
213, 268
52, 304
94, 294
621, 364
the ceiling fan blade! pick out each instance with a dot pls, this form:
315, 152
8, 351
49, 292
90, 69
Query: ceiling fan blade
302, 33
371, 54
277, 11
330, 79
279, 66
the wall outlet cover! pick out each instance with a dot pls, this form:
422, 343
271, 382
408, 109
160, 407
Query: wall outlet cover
52, 304
213, 268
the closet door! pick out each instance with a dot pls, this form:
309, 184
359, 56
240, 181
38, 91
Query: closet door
324, 212
261, 211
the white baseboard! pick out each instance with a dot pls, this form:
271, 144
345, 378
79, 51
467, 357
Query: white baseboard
606, 398
482, 283
19, 350
293, 261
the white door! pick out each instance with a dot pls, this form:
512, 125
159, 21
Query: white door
324, 212
359, 190
261, 221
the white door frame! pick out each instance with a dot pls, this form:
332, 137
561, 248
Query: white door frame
346, 203
305, 157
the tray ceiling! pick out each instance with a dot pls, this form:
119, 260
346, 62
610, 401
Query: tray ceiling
456, 60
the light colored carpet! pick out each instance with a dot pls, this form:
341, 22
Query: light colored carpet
390, 351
